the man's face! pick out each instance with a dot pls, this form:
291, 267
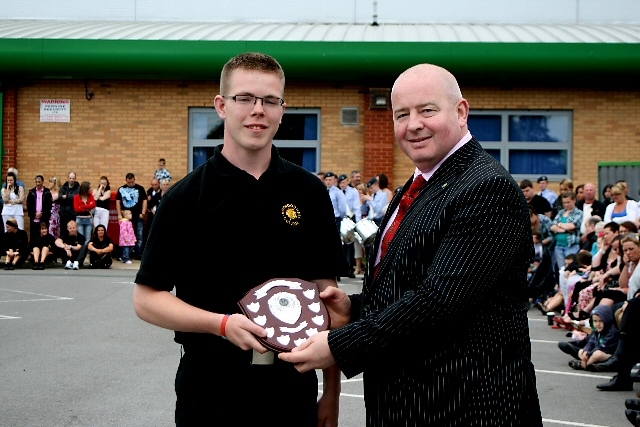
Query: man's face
568, 203
609, 235
72, 179
131, 182
373, 189
589, 193
528, 193
250, 127
329, 181
344, 184
543, 185
39, 183
427, 122
155, 184
356, 179
72, 229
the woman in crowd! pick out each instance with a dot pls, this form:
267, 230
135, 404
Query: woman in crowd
621, 209
383, 182
15, 245
100, 248
84, 203
580, 193
606, 194
102, 195
13, 197
566, 228
42, 247
566, 185
54, 225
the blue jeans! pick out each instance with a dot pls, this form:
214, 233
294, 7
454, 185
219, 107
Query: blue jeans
138, 227
126, 252
85, 227
560, 252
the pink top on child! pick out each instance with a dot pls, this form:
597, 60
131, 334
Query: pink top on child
127, 236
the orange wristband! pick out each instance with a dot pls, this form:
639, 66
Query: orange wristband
223, 326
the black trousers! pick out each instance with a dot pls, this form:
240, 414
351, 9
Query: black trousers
216, 390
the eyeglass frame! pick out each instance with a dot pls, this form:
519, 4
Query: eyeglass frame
255, 99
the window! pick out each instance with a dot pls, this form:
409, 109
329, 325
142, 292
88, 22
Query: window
297, 139
527, 143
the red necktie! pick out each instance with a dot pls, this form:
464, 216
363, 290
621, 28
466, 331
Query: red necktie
407, 198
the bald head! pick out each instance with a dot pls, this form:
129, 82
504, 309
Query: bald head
589, 193
443, 77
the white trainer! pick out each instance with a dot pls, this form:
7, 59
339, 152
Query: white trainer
68, 265
75, 265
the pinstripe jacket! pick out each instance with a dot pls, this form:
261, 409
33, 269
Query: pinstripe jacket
441, 332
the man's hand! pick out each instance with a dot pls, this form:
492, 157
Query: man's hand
241, 331
314, 353
338, 305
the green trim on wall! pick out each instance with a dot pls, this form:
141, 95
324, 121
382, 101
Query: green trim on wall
315, 61
602, 164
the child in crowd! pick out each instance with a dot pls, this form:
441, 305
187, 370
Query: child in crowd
42, 247
602, 342
127, 236
537, 244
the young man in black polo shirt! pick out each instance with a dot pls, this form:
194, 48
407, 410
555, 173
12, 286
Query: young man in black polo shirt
244, 217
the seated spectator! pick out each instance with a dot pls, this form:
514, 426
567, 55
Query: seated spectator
16, 245
602, 342
621, 209
627, 353
590, 236
628, 227
100, 248
70, 246
42, 246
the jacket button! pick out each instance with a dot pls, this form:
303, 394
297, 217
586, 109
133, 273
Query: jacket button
367, 309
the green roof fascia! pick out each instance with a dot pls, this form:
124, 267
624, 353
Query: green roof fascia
314, 61
604, 164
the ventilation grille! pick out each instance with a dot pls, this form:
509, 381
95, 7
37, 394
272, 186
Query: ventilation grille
350, 116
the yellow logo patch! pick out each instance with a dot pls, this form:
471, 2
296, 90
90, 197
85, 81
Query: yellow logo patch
291, 214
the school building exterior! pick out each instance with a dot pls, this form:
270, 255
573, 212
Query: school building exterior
108, 98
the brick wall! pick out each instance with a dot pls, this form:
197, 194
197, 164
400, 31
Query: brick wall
129, 125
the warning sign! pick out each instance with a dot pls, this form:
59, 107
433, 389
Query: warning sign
55, 110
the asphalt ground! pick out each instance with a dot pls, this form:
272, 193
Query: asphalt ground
73, 353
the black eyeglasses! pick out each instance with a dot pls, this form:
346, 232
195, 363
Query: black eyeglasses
267, 101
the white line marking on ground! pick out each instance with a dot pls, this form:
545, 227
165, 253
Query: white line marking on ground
575, 374
545, 341
8, 317
48, 297
570, 423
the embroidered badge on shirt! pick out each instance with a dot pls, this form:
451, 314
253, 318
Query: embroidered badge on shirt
291, 214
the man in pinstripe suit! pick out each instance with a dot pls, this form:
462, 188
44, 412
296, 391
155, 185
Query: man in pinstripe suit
440, 328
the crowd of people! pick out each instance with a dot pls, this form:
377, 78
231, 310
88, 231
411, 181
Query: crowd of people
590, 284
354, 201
69, 221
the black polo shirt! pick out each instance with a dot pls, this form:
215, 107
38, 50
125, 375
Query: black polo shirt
230, 232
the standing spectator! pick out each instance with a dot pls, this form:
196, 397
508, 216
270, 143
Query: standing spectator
42, 246
102, 195
15, 245
164, 187
545, 191
39, 204
13, 197
18, 181
383, 181
580, 193
606, 195
133, 197
622, 209
590, 206
539, 203
162, 172
54, 220
68, 192
127, 236
566, 228
83, 204
70, 246
338, 199
377, 200
154, 194
353, 212
566, 185
356, 178
621, 183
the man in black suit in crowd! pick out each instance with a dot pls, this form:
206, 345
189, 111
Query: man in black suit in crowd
440, 329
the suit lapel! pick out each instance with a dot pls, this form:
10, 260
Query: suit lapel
440, 182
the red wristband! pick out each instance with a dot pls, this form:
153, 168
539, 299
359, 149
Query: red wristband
223, 326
